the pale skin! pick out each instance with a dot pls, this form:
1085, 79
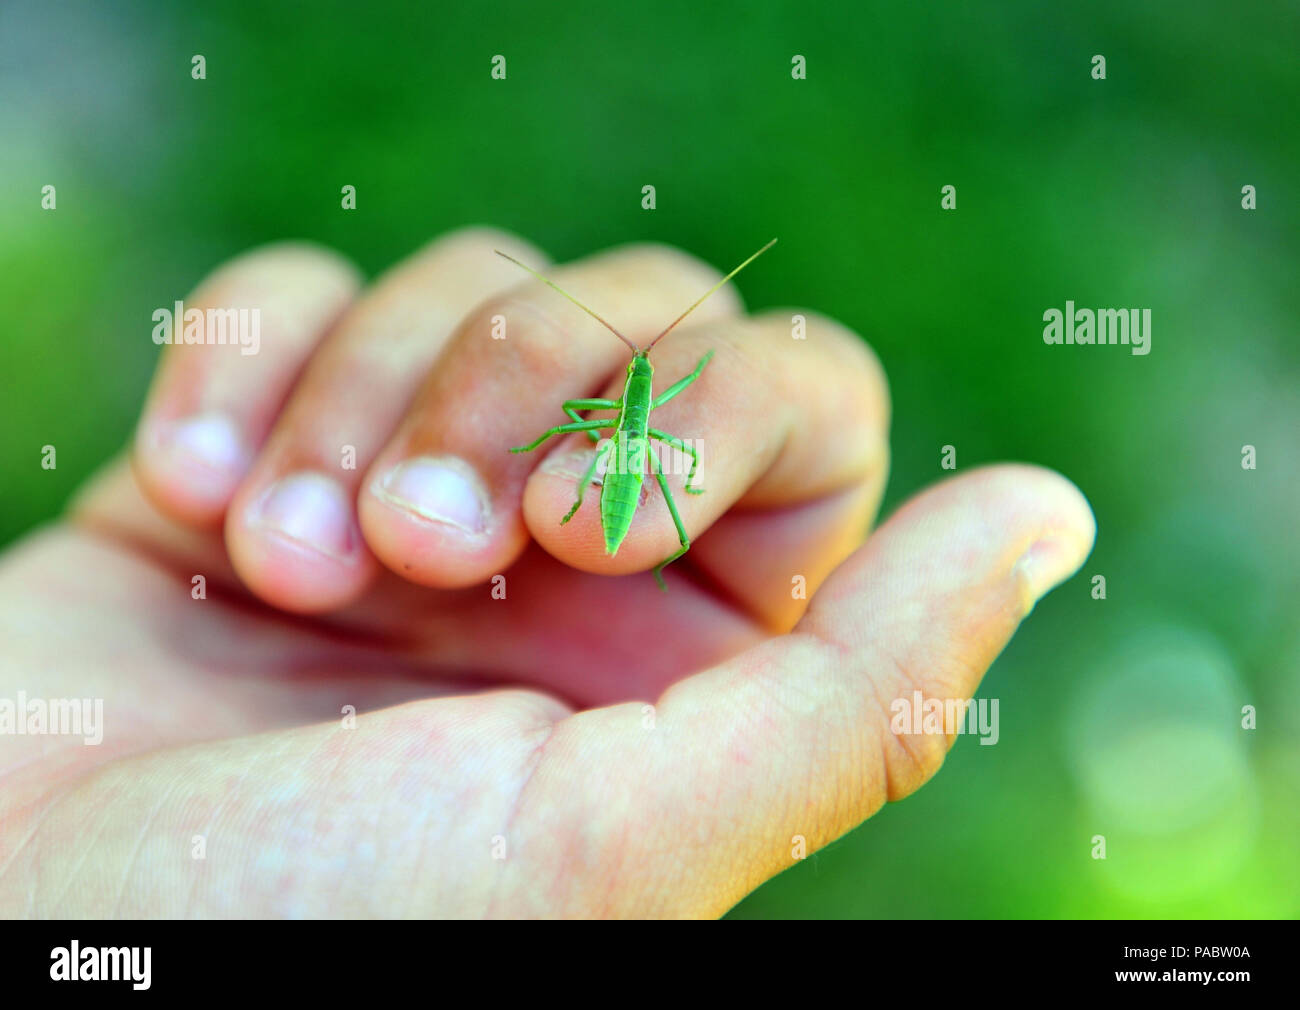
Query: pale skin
586, 746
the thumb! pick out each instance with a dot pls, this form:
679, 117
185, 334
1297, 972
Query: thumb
792, 739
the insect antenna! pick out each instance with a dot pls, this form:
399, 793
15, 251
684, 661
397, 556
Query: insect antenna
709, 292
551, 284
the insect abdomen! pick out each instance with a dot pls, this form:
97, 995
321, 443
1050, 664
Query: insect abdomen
621, 493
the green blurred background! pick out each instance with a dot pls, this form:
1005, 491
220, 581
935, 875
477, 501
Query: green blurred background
1118, 717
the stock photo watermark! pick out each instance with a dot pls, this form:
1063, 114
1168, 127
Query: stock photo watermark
24, 716
1127, 327
921, 716
75, 963
679, 458
240, 328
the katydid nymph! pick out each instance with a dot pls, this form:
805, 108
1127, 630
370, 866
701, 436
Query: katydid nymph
620, 491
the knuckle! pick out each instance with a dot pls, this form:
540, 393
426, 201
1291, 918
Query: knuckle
848, 352
308, 261
536, 344
673, 267
659, 255
480, 238
910, 763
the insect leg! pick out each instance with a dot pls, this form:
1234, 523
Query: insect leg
597, 456
564, 429
677, 521
677, 387
571, 407
681, 446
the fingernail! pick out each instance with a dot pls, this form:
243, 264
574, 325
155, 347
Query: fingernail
571, 464
209, 447
1048, 563
310, 509
443, 489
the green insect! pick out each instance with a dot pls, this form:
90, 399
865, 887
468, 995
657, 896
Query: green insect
621, 490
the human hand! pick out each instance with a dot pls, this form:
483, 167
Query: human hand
505, 761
